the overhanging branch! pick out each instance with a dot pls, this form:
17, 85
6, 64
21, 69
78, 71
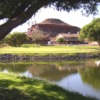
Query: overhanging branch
20, 19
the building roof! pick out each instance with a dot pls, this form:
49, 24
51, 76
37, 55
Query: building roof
67, 37
64, 35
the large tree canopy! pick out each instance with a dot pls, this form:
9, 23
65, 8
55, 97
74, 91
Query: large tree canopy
17, 12
91, 32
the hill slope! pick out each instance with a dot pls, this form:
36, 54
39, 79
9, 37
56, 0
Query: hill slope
52, 27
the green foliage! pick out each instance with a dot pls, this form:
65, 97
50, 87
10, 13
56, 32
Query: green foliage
16, 39
91, 32
60, 40
10, 9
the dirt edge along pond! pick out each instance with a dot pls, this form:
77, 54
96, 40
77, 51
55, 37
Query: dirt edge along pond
48, 57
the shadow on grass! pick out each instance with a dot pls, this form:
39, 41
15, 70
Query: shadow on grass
13, 94
21, 88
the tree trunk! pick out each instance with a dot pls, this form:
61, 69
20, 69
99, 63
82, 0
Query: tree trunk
99, 43
6, 28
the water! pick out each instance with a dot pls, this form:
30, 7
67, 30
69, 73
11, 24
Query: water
75, 83
78, 76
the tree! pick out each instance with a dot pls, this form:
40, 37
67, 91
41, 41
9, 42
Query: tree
16, 39
91, 32
16, 12
39, 37
60, 40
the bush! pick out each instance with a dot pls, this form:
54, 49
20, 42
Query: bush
60, 40
16, 39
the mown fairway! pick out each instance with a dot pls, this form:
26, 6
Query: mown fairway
49, 49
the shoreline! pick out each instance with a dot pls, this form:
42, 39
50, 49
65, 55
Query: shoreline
26, 88
48, 57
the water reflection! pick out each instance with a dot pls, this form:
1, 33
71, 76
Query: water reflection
49, 71
91, 76
27, 73
82, 77
74, 83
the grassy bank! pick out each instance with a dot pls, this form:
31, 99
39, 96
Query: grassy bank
49, 49
13, 87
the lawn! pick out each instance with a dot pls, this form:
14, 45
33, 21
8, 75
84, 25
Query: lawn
49, 49
13, 87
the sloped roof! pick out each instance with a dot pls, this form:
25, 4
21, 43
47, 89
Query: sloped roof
67, 35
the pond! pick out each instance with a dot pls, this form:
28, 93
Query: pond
78, 76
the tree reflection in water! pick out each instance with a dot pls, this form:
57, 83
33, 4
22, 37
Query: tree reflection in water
52, 71
91, 76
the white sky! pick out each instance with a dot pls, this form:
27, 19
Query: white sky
73, 18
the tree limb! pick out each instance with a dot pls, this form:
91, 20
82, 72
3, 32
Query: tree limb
23, 17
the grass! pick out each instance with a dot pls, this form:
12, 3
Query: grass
49, 49
13, 87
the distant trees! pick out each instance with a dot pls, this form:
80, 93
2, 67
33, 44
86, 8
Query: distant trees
39, 37
91, 32
16, 39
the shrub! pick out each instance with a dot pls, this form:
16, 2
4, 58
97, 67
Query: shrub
60, 40
16, 39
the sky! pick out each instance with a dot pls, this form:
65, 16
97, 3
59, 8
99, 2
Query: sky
74, 18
